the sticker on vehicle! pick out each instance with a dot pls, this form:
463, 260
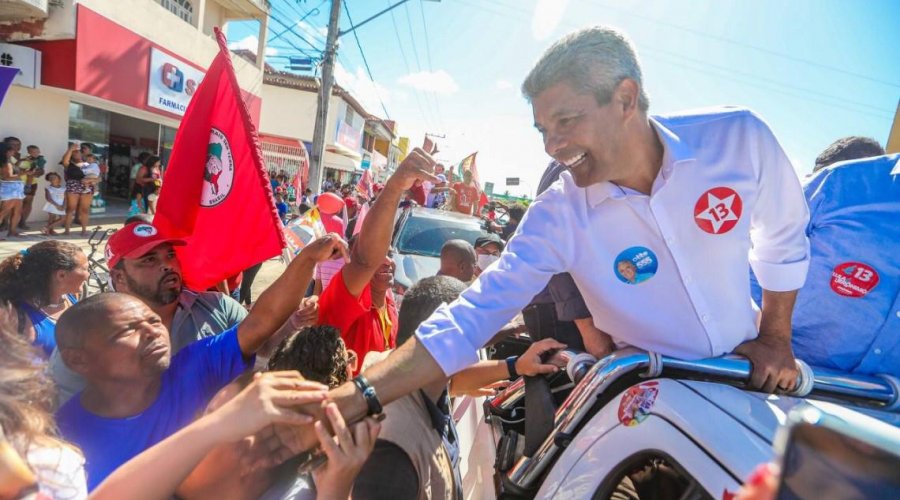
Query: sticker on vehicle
637, 402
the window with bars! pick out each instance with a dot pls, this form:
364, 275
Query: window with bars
181, 8
348, 116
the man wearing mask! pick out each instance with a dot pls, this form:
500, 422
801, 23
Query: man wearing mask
487, 251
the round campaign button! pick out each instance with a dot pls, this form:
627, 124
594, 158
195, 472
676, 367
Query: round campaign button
853, 279
718, 210
635, 265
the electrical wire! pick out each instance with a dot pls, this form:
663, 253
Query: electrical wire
366, 62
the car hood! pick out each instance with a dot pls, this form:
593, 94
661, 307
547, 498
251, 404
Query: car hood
764, 413
411, 268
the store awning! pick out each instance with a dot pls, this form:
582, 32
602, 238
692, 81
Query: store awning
343, 151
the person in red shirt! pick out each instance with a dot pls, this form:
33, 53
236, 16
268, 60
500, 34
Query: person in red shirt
466, 194
417, 193
359, 300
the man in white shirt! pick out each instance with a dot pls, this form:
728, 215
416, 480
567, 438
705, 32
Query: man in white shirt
654, 218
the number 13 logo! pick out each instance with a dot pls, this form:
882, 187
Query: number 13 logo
718, 210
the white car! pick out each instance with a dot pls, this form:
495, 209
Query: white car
689, 425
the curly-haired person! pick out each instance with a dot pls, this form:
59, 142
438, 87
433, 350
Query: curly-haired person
318, 353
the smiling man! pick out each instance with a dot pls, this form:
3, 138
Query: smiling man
686, 199
137, 393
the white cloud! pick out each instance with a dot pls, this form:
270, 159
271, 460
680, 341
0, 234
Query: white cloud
503, 85
547, 15
438, 81
363, 89
251, 43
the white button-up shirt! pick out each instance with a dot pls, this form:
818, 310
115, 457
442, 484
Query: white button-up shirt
726, 191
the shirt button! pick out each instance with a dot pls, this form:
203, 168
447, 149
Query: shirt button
687, 279
877, 350
705, 318
670, 240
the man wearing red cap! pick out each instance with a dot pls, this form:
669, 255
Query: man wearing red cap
143, 263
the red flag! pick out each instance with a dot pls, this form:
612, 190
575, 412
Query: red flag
364, 186
216, 193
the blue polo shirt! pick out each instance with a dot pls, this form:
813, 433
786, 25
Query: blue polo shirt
196, 373
847, 316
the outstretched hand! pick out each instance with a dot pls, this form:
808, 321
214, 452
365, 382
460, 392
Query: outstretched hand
347, 451
418, 165
327, 247
530, 363
270, 399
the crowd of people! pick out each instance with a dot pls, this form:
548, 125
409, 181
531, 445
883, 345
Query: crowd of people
154, 390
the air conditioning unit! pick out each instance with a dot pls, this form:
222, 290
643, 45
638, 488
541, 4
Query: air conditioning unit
14, 10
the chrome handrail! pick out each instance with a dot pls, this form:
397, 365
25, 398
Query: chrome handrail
877, 391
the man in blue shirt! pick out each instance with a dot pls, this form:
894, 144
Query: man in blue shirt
137, 394
847, 316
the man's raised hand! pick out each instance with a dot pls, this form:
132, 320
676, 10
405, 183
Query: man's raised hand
417, 165
325, 248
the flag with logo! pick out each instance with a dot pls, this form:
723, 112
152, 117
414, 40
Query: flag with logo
300, 231
216, 193
468, 163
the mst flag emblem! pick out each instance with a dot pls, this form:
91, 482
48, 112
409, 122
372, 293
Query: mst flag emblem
219, 171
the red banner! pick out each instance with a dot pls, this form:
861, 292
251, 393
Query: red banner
216, 193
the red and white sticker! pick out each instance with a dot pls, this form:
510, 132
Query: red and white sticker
853, 279
718, 210
636, 403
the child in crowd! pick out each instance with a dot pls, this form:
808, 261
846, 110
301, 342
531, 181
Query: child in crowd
282, 208
153, 197
56, 202
136, 207
91, 169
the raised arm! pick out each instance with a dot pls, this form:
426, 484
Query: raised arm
281, 299
157, 472
375, 237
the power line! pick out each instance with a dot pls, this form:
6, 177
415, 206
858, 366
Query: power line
291, 30
437, 102
366, 63
406, 61
705, 66
412, 40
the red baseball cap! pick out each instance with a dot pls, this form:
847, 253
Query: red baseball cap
135, 240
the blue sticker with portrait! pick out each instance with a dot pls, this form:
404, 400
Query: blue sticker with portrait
635, 265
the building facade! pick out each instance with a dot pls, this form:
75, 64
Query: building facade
114, 73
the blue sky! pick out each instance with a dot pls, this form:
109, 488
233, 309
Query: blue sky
816, 70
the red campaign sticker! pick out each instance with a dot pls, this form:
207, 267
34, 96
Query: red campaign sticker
636, 403
718, 210
853, 279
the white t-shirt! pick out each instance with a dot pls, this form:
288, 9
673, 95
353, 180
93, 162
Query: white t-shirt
665, 272
91, 170
60, 471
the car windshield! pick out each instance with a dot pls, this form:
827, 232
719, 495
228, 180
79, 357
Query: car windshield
426, 235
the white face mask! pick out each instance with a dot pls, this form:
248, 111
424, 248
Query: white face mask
484, 260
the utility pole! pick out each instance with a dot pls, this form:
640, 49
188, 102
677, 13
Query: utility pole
317, 164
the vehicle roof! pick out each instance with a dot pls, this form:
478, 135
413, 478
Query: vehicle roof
433, 213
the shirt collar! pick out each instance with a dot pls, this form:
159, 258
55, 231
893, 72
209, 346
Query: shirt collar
186, 299
675, 151
896, 169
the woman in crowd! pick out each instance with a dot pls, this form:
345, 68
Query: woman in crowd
12, 191
35, 459
41, 282
78, 192
149, 177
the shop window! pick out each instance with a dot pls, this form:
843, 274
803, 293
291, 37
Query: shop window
349, 116
91, 125
181, 8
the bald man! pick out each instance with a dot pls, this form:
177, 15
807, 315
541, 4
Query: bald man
458, 260
137, 393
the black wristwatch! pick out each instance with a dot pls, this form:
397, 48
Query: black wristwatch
369, 394
511, 366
